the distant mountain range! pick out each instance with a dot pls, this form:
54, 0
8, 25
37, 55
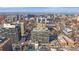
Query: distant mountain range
39, 9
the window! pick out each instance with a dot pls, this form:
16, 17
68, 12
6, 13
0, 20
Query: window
39, 21
43, 20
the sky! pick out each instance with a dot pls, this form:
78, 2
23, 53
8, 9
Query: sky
40, 9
